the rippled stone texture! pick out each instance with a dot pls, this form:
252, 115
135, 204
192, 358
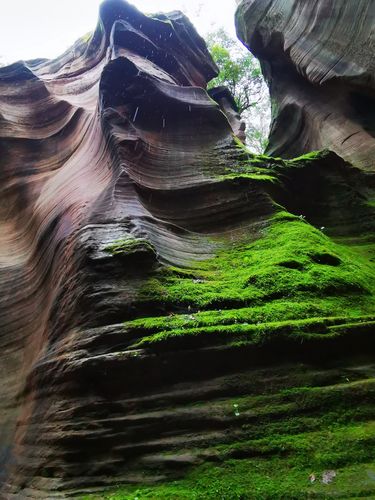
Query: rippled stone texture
171, 305
318, 58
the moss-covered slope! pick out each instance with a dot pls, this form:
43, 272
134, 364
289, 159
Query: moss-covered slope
258, 366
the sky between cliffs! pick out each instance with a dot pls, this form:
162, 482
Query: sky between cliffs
46, 28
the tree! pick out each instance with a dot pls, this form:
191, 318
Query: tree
241, 73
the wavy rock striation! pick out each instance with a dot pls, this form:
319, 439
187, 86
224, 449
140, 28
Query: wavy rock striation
172, 306
318, 58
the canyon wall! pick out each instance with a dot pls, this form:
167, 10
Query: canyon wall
318, 58
177, 314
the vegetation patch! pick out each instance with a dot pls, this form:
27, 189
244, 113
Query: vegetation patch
128, 246
293, 435
293, 272
289, 441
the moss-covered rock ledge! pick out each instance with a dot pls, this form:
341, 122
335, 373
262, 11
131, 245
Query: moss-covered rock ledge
256, 365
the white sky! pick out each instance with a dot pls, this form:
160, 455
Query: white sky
46, 28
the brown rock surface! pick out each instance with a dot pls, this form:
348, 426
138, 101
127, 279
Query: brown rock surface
318, 58
166, 298
114, 140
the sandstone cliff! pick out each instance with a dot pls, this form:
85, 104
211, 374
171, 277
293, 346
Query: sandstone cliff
176, 314
318, 58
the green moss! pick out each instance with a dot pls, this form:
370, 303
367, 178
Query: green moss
285, 437
283, 434
129, 246
258, 479
292, 272
239, 334
288, 285
258, 176
247, 165
263, 168
312, 155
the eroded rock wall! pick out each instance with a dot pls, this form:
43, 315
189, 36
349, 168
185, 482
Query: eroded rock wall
168, 299
318, 58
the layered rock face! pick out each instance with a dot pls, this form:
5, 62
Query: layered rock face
175, 311
318, 58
